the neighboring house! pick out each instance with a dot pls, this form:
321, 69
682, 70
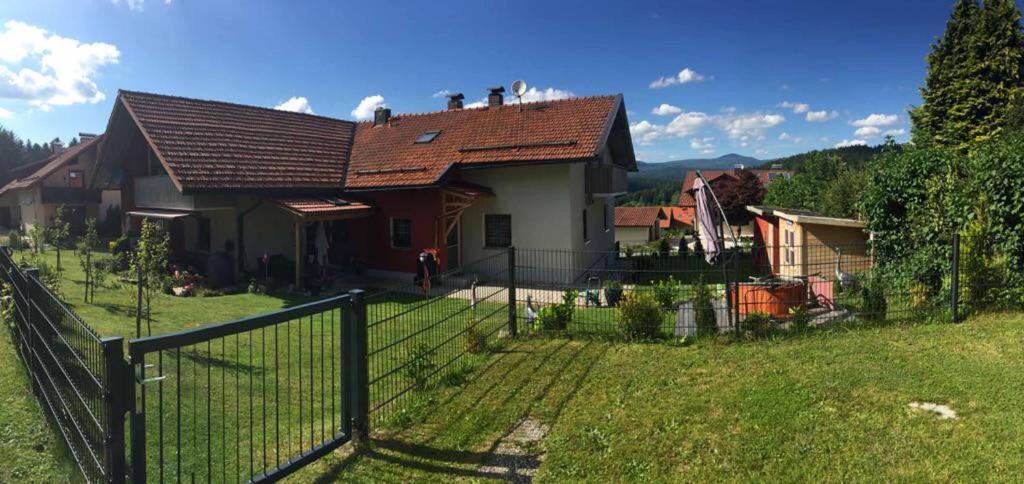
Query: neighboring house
64, 178
799, 243
717, 178
638, 225
465, 183
676, 218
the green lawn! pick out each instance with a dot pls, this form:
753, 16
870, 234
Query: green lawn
829, 406
274, 392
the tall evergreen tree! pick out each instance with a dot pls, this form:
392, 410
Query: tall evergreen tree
974, 74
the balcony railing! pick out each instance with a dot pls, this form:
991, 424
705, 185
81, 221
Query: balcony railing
605, 180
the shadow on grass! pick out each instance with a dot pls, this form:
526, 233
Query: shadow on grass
496, 395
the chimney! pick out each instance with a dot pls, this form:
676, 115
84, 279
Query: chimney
739, 166
57, 146
455, 101
495, 98
381, 116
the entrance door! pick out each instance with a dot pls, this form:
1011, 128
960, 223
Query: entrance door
454, 249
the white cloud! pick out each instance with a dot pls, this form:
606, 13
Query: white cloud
366, 107
895, 132
135, 5
685, 76
441, 93
851, 142
296, 104
666, 110
761, 151
796, 107
741, 126
821, 116
49, 70
5, 114
703, 145
530, 96
867, 132
748, 124
550, 94
877, 120
790, 138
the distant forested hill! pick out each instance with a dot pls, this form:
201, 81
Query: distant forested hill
659, 183
855, 157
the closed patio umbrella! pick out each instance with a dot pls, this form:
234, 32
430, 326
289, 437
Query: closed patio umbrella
321, 245
708, 233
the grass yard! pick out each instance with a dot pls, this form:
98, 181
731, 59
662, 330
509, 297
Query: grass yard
274, 392
31, 451
829, 406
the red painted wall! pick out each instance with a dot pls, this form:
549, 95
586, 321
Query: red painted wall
422, 206
764, 243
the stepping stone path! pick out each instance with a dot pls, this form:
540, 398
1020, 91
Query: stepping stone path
516, 457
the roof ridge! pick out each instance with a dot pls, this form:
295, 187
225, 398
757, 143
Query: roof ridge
240, 105
549, 101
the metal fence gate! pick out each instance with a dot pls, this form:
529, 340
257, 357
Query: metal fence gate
254, 399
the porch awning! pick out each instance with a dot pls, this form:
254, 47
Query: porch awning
322, 208
158, 213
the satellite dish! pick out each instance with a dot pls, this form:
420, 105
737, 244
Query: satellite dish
519, 88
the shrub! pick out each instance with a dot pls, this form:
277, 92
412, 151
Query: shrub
612, 292
14, 240
759, 324
666, 292
475, 340
557, 317
111, 225
419, 364
799, 318
639, 316
704, 308
663, 247
873, 304
120, 249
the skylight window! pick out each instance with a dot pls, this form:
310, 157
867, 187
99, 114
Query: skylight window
428, 136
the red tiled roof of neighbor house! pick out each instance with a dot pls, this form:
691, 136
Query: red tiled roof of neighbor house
564, 130
675, 215
637, 216
212, 145
315, 207
686, 198
50, 165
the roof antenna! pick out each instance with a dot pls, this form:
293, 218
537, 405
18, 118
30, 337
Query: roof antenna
519, 88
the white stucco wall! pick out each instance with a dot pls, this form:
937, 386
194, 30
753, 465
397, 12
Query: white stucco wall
546, 204
632, 235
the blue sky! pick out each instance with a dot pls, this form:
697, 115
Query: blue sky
723, 69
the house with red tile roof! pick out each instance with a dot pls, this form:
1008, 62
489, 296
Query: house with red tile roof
676, 218
638, 225
463, 183
63, 179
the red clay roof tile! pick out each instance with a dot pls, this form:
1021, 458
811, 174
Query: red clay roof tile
387, 156
212, 145
637, 216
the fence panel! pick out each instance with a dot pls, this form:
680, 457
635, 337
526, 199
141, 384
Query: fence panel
74, 372
253, 399
419, 334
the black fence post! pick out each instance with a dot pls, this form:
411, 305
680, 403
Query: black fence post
136, 379
357, 376
513, 326
115, 401
31, 279
954, 282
